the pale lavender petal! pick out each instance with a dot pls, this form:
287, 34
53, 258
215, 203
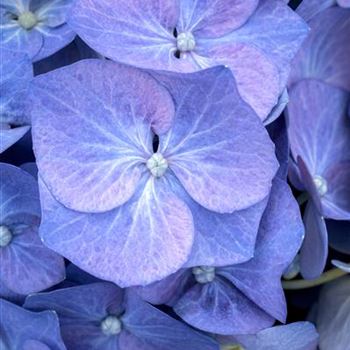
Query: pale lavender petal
96, 165
214, 18
256, 75
142, 241
279, 239
294, 336
19, 326
158, 330
325, 53
219, 307
279, 108
136, 31
217, 147
34, 345
277, 31
341, 265
344, 3
314, 251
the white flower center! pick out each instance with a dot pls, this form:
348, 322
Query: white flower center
204, 274
111, 325
157, 165
27, 20
321, 185
5, 236
185, 42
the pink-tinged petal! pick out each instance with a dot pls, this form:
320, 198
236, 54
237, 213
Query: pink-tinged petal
314, 251
28, 266
344, 3
217, 147
140, 242
8, 137
336, 202
317, 112
92, 131
220, 308
158, 330
137, 32
214, 18
277, 31
280, 237
325, 53
168, 290
256, 75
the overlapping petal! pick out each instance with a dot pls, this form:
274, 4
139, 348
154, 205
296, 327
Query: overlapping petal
20, 326
221, 154
214, 18
92, 131
325, 53
144, 240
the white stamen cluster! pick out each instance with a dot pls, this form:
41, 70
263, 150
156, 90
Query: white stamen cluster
5, 236
111, 325
204, 274
27, 20
157, 165
185, 42
321, 185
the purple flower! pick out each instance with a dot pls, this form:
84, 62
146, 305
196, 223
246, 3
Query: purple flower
243, 298
319, 128
26, 264
110, 198
23, 329
14, 82
325, 53
294, 336
332, 315
35, 27
103, 316
255, 39
318, 112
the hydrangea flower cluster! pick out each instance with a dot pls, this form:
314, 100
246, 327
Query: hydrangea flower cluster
171, 171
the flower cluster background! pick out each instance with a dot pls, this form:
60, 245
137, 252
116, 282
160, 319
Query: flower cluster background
174, 175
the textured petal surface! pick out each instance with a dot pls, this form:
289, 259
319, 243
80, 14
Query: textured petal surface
220, 308
277, 31
96, 165
136, 32
15, 74
26, 264
158, 330
256, 75
142, 241
318, 112
80, 311
314, 251
48, 36
19, 326
214, 18
217, 147
325, 53
294, 336
279, 239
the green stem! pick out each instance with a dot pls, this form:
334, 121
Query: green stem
302, 198
324, 278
